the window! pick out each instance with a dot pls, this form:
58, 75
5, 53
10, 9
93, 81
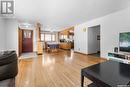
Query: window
64, 37
42, 37
53, 37
48, 37
27, 34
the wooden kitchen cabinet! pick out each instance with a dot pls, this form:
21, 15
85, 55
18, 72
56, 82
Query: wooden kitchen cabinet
65, 45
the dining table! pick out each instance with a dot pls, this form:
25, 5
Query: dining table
53, 46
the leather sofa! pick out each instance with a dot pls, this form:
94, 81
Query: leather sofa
8, 68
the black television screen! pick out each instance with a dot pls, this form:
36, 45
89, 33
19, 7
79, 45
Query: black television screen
124, 44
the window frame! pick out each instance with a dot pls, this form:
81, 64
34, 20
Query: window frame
44, 34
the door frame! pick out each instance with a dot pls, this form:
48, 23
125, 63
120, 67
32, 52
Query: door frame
20, 40
89, 28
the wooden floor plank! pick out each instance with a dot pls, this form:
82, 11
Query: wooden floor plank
60, 69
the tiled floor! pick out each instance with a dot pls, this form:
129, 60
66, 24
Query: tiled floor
28, 55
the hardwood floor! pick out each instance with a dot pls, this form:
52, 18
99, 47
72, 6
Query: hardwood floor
54, 70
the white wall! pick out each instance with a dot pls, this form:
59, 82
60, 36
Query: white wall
2, 34
11, 34
34, 40
93, 43
111, 25
80, 39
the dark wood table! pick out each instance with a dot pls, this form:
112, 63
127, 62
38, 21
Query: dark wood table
107, 74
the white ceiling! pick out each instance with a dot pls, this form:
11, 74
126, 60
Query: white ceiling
57, 14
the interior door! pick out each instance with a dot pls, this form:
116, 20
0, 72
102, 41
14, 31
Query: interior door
27, 41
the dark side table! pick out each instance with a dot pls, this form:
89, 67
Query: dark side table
107, 74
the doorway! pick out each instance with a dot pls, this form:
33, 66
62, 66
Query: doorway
25, 41
94, 41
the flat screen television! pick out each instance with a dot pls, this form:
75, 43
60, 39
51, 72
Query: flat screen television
124, 42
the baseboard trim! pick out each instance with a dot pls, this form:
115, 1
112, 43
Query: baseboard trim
80, 53
89, 54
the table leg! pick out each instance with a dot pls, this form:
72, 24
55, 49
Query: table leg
82, 80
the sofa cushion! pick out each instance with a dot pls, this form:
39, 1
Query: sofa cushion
7, 57
8, 65
8, 71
